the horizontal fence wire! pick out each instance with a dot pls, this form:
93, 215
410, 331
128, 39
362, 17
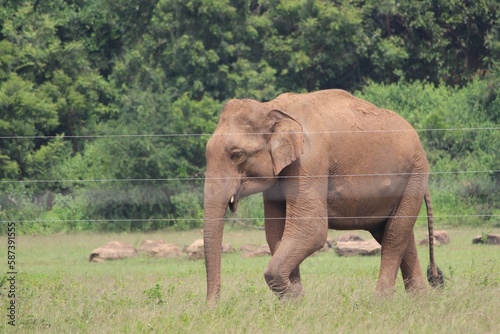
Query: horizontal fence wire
62, 136
234, 219
248, 177
229, 219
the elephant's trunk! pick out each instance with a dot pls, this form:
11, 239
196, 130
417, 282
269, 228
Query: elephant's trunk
215, 205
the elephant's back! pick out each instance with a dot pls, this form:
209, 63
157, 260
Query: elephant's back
338, 116
338, 110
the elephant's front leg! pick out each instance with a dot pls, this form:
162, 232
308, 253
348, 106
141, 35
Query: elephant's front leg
275, 217
305, 231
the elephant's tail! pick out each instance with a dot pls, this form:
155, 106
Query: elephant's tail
434, 274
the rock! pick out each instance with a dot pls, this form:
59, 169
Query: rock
425, 242
488, 239
113, 250
331, 242
248, 248
349, 237
227, 248
159, 248
251, 250
262, 250
195, 251
353, 248
326, 247
440, 237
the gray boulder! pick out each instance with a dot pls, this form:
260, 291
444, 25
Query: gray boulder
196, 251
488, 239
159, 248
349, 237
358, 248
255, 251
440, 237
112, 250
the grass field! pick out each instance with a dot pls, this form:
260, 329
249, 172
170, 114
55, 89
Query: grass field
59, 291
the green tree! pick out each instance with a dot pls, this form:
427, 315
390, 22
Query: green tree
314, 44
26, 111
207, 47
49, 86
438, 41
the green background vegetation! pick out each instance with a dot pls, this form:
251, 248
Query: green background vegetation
98, 99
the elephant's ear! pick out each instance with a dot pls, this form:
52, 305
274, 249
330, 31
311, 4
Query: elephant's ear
285, 141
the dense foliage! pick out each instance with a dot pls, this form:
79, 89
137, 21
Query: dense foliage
99, 100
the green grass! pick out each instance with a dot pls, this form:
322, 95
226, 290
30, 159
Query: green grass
59, 291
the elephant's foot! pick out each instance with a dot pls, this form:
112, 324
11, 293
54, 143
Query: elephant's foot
286, 290
385, 290
293, 291
413, 285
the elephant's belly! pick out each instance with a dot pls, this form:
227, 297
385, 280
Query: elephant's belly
339, 222
361, 207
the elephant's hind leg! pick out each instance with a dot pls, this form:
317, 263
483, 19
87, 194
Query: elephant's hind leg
410, 268
398, 242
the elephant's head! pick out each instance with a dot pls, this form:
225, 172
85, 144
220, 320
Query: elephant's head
251, 145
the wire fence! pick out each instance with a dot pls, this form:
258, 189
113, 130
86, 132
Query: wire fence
248, 177
200, 179
93, 136
234, 219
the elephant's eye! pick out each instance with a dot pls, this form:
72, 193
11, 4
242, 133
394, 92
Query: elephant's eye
238, 156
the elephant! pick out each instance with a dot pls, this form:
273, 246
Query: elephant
323, 160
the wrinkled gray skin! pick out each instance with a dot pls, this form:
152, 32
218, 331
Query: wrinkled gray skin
322, 160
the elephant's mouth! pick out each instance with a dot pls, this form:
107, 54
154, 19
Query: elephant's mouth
233, 202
